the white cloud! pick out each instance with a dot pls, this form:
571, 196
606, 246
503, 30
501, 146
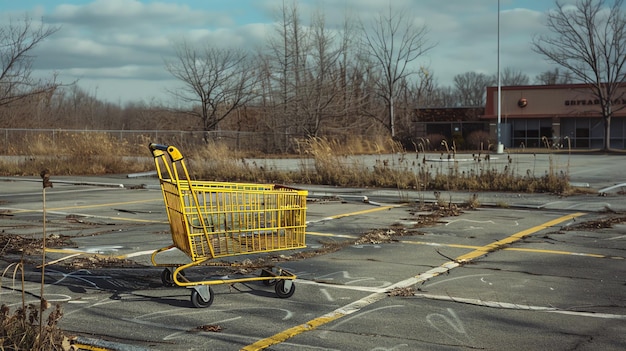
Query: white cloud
129, 39
125, 13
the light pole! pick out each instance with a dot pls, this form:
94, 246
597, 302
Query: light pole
498, 127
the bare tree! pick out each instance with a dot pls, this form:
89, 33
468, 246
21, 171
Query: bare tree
219, 80
512, 77
416, 93
17, 42
321, 86
349, 64
554, 77
286, 62
589, 40
423, 88
393, 43
471, 88
442, 96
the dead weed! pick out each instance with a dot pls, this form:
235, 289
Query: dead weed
17, 244
405, 292
98, 261
606, 222
20, 330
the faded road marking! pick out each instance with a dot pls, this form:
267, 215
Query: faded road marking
87, 206
377, 296
376, 209
516, 306
481, 251
519, 249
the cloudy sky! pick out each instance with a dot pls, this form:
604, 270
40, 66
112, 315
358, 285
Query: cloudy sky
116, 48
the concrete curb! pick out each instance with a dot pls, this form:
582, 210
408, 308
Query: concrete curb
90, 344
76, 182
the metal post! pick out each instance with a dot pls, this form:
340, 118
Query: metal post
498, 127
45, 176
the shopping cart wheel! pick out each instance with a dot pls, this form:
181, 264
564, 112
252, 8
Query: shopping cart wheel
202, 296
266, 273
167, 277
285, 288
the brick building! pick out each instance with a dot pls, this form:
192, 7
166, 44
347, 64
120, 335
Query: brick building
566, 114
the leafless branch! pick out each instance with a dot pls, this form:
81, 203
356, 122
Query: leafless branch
589, 40
17, 41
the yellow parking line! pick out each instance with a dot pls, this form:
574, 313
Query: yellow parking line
476, 247
375, 209
52, 210
556, 252
483, 250
89, 206
291, 332
331, 235
107, 204
459, 246
74, 252
338, 313
86, 347
130, 219
520, 249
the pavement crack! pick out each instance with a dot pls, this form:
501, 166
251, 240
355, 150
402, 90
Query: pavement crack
407, 337
535, 274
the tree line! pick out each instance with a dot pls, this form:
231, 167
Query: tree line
307, 80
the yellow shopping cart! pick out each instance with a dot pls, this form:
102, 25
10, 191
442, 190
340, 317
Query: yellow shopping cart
219, 219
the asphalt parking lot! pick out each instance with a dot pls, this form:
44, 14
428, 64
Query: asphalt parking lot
541, 272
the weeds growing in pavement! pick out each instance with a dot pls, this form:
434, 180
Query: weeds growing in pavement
24, 328
20, 330
75, 154
322, 161
473, 202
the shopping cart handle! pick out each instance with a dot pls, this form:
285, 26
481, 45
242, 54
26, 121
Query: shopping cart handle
174, 153
161, 147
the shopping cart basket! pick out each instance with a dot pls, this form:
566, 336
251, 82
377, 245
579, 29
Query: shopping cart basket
217, 219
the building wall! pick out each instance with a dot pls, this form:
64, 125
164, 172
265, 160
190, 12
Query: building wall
461, 126
556, 115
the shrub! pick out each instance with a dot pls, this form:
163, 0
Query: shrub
478, 140
433, 142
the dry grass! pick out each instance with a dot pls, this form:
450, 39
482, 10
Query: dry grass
335, 166
216, 162
28, 327
21, 245
350, 145
76, 154
336, 163
20, 330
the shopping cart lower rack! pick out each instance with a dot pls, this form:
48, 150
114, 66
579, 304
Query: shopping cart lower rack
211, 220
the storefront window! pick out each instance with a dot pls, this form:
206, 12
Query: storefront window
582, 137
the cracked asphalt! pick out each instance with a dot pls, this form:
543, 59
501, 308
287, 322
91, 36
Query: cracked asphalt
521, 272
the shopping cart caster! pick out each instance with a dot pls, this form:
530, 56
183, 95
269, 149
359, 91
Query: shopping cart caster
167, 277
266, 273
285, 288
202, 296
